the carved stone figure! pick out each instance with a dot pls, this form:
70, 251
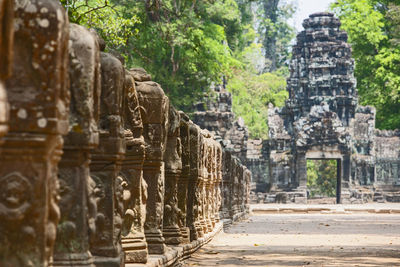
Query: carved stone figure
154, 111
193, 203
183, 181
217, 194
133, 238
72, 243
201, 187
105, 244
39, 94
173, 170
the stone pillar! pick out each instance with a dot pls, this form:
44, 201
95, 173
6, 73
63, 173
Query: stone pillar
105, 245
173, 170
208, 177
6, 52
193, 202
301, 175
39, 94
218, 183
154, 110
183, 181
72, 243
135, 197
226, 184
235, 188
247, 196
201, 192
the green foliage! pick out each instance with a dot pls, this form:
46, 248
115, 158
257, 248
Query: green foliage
322, 177
185, 45
275, 32
373, 31
253, 92
111, 20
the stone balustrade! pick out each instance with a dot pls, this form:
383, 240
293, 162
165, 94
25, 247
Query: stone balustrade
97, 167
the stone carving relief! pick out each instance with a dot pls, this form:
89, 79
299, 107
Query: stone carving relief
133, 237
39, 98
72, 245
105, 167
154, 110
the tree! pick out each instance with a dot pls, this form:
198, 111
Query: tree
372, 26
275, 32
111, 20
322, 177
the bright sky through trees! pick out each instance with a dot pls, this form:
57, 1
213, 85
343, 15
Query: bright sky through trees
307, 7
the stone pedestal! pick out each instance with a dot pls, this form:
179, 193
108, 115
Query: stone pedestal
154, 110
105, 167
32, 148
77, 210
133, 238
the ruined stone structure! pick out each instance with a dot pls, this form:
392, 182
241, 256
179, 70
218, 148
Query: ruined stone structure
215, 114
322, 120
97, 168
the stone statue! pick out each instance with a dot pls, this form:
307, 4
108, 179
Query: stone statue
38, 91
154, 110
133, 238
72, 244
183, 181
105, 244
173, 170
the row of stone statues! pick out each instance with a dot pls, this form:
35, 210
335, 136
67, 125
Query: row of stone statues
97, 168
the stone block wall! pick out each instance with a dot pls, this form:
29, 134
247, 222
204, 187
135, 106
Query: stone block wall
97, 167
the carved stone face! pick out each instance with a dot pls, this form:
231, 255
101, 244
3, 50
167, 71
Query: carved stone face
15, 194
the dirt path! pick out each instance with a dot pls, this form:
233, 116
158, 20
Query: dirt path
306, 240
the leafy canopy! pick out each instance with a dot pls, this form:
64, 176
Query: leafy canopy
373, 29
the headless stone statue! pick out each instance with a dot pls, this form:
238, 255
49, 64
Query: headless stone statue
38, 91
133, 238
154, 111
173, 170
72, 244
105, 244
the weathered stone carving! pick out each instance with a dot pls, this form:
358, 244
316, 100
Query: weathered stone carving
133, 240
194, 208
183, 181
39, 97
72, 244
105, 244
322, 102
154, 113
173, 170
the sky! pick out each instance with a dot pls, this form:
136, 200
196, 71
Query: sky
307, 7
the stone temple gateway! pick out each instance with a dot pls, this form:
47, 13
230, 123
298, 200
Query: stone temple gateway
323, 120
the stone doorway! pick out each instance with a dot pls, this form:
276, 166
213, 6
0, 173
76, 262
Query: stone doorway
323, 180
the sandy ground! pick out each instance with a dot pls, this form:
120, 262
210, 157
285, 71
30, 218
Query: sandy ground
306, 240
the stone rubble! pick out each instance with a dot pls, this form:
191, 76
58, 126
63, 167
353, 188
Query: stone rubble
97, 168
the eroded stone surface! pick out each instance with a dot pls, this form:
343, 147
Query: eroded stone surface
105, 167
39, 97
154, 111
78, 210
135, 196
